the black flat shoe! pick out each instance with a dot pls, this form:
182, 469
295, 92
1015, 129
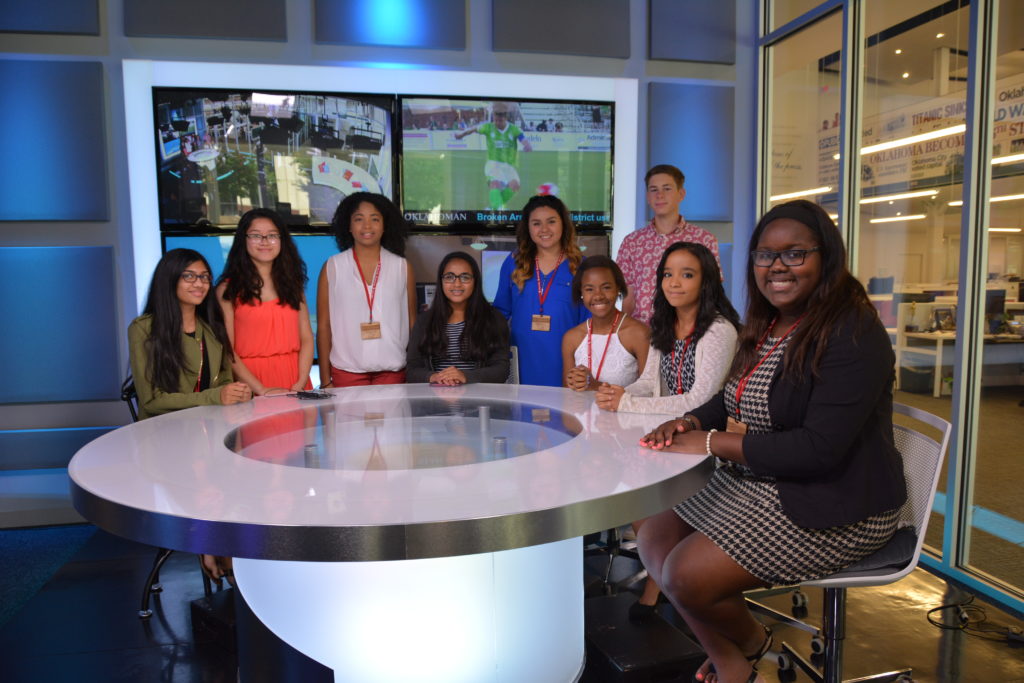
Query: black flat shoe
640, 613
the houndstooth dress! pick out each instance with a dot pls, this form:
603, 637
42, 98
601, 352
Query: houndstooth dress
742, 514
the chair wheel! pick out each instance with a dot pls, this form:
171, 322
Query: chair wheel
156, 588
818, 645
784, 661
904, 678
799, 599
145, 613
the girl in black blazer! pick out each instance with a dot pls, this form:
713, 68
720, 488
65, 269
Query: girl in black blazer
811, 480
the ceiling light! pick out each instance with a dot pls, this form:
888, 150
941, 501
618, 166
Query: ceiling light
906, 74
1004, 229
836, 156
940, 35
834, 216
913, 139
801, 193
1007, 159
899, 52
1000, 198
903, 195
897, 219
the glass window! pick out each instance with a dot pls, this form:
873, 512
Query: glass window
912, 159
996, 545
804, 113
785, 11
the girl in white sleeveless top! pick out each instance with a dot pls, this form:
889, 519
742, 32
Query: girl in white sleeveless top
610, 346
366, 296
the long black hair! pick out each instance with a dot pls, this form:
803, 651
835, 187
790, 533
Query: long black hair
395, 227
165, 355
711, 304
288, 270
479, 338
837, 295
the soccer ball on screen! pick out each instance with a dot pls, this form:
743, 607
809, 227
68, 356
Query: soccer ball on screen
547, 189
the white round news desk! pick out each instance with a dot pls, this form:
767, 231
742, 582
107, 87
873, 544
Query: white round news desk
403, 532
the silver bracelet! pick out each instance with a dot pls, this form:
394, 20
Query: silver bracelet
707, 442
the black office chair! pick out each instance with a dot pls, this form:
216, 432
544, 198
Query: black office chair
152, 585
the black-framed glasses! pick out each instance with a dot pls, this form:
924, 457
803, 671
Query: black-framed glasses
189, 276
272, 238
789, 257
464, 278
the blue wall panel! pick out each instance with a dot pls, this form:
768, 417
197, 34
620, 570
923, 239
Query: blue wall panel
80, 17
693, 30
237, 19
61, 335
691, 126
439, 24
34, 449
52, 136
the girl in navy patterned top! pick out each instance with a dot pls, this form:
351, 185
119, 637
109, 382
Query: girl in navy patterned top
462, 338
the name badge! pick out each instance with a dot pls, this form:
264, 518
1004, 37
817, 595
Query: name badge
369, 330
541, 323
734, 426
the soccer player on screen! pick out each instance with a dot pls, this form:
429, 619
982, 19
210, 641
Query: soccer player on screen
503, 140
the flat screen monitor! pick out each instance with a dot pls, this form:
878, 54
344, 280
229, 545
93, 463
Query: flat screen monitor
313, 249
223, 152
476, 162
995, 301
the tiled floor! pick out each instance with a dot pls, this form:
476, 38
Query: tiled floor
82, 627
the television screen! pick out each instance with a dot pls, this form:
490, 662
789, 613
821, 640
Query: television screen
472, 161
223, 152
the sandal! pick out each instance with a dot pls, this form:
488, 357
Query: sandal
764, 649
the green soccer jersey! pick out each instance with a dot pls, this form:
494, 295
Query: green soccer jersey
501, 145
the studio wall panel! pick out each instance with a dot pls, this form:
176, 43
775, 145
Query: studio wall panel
691, 126
34, 449
439, 24
74, 17
693, 30
233, 19
61, 334
52, 136
592, 28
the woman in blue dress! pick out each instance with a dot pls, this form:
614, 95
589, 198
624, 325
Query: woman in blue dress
535, 289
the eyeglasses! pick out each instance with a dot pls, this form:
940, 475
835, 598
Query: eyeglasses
790, 257
464, 278
272, 238
189, 276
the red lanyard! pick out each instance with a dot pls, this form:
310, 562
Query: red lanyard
543, 296
682, 362
742, 384
202, 356
371, 292
590, 348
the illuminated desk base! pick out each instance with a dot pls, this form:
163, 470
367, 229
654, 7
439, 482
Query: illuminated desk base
502, 617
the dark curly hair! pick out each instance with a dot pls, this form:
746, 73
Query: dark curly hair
288, 271
712, 302
838, 293
395, 227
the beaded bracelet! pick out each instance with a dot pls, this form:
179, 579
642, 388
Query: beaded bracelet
707, 442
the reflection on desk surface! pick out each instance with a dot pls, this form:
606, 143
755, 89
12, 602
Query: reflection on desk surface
403, 434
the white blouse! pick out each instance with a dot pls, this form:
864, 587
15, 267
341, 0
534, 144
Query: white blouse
349, 351
714, 354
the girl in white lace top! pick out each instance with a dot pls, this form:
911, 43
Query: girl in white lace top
693, 339
610, 347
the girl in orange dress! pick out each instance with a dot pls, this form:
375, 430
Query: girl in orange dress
261, 294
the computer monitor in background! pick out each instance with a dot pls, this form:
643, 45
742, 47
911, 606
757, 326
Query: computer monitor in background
995, 302
912, 298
